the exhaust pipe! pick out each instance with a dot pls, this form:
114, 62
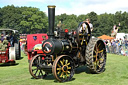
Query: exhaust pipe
51, 20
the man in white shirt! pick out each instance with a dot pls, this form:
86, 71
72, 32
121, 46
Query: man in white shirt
91, 26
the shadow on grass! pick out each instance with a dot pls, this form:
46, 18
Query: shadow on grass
63, 82
48, 77
8, 64
82, 69
124, 77
51, 77
20, 58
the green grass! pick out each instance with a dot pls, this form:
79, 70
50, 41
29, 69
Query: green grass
116, 73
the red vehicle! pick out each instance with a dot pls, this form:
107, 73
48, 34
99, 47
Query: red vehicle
8, 55
34, 42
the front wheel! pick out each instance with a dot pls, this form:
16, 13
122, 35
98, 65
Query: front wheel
63, 68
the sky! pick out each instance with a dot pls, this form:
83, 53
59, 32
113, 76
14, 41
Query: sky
76, 7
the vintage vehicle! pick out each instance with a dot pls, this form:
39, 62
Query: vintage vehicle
67, 51
33, 44
10, 46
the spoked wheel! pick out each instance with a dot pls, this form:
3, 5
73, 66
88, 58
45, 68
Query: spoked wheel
63, 68
35, 69
96, 55
83, 33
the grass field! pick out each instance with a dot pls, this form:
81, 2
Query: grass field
116, 73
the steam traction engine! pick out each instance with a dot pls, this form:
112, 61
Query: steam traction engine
67, 51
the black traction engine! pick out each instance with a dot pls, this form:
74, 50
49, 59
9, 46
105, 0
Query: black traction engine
64, 51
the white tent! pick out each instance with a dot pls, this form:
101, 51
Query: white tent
121, 35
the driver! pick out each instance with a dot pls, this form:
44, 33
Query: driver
84, 26
90, 24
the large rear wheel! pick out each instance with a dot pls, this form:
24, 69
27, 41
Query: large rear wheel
96, 55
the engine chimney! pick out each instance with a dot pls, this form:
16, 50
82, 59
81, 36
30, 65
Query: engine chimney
51, 20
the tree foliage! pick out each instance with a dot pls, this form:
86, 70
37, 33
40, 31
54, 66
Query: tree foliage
32, 20
24, 19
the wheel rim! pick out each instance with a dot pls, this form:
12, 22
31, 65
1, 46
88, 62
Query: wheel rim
35, 69
63, 68
99, 56
84, 35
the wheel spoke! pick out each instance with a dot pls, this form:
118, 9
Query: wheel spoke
68, 71
66, 74
34, 69
69, 67
66, 62
94, 56
39, 74
59, 72
41, 71
36, 72
42, 75
82, 40
100, 51
62, 74
99, 66
59, 68
39, 60
58, 65
95, 65
96, 48
99, 45
61, 63
101, 59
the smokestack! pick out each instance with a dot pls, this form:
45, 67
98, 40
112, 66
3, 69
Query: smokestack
51, 20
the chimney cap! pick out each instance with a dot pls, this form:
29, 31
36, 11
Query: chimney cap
51, 6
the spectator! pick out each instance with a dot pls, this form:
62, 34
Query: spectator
125, 42
113, 46
107, 46
2, 37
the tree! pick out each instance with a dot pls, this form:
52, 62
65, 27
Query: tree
24, 19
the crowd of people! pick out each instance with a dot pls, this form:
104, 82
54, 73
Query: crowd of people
117, 46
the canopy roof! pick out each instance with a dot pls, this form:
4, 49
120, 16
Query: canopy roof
106, 37
7, 29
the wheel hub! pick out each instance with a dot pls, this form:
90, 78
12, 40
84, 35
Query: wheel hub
64, 68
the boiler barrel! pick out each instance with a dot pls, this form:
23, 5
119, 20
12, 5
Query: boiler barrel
54, 46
